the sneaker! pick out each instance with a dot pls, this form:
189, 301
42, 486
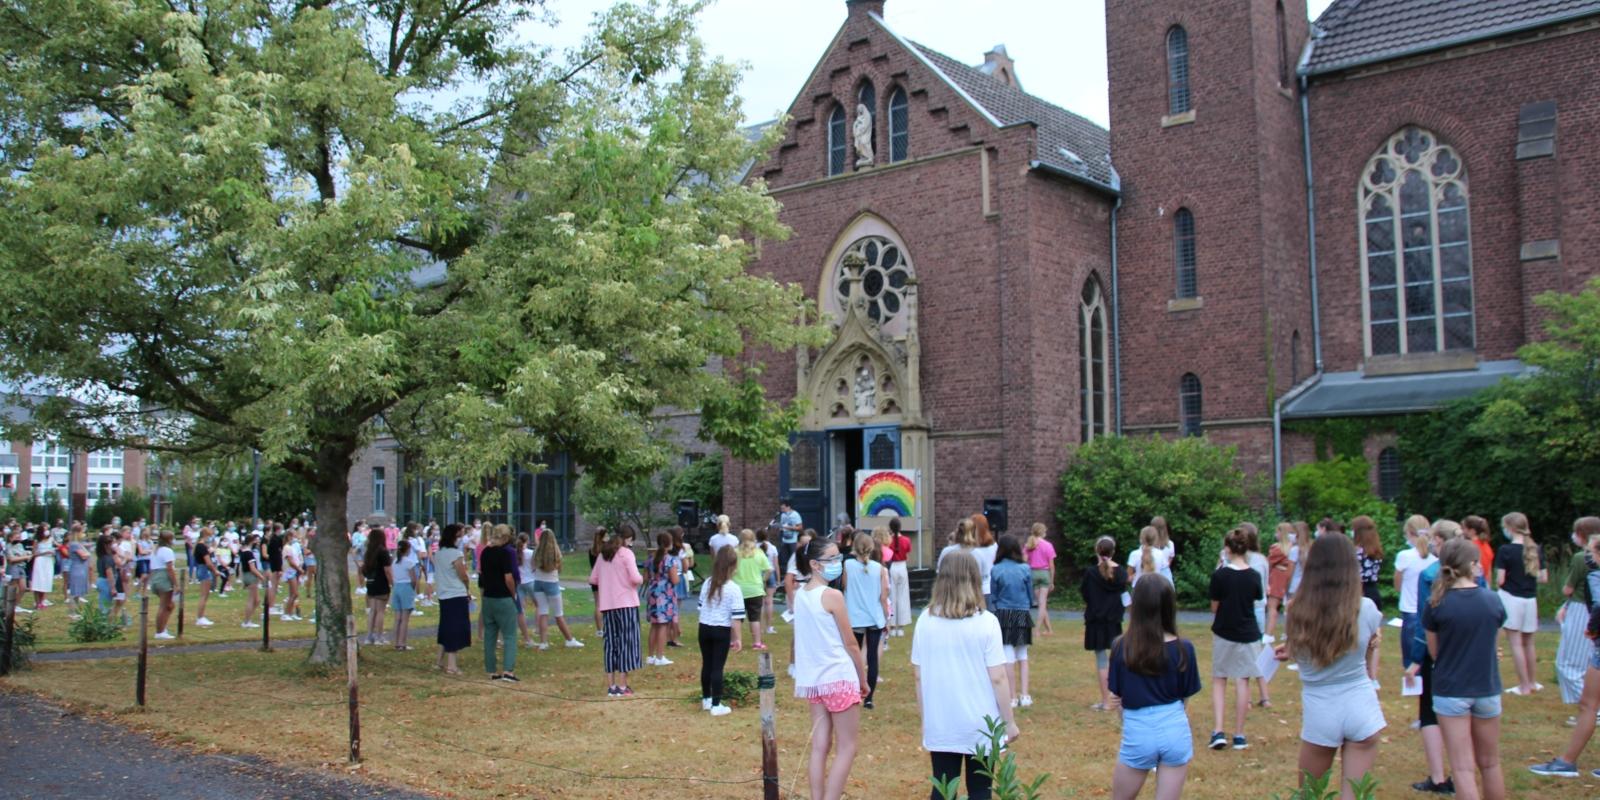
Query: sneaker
542, 646
649, 661
1593, 773
1555, 767
1427, 785
1016, 701
297, 618
626, 691
663, 662
613, 692
509, 678
574, 643
416, 612
720, 710
285, 618
164, 635
21, 610
791, 670
1294, 667
1239, 743
673, 643
705, 704
771, 630
203, 622
1027, 700
1218, 741
867, 703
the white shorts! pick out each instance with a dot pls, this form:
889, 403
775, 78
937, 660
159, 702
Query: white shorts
1334, 715
1522, 613
1017, 653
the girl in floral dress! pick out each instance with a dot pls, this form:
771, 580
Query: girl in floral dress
662, 597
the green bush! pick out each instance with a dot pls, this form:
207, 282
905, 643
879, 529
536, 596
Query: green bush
701, 482
738, 686
999, 764
1320, 489
22, 643
1115, 484
95, 625
1317, 787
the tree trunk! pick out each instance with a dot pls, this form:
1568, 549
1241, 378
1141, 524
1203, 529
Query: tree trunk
333, 578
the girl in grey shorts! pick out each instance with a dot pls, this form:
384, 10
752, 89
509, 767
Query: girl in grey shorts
1235, 650
1330, 634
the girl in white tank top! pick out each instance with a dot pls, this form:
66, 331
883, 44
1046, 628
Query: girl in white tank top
829, 670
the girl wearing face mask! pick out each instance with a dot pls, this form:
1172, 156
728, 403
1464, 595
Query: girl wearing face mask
829, 671
1518, 571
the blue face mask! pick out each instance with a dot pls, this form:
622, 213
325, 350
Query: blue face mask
1507, 532
831, 572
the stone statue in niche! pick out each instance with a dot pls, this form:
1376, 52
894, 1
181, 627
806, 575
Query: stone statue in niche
866, 394
861, 130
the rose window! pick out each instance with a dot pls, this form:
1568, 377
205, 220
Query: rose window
883, 279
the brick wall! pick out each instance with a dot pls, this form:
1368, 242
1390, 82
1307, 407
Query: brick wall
358, 501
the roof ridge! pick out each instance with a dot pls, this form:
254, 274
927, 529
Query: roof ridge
1005, 87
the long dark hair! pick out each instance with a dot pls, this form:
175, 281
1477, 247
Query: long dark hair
721, 572
663, 549
1009, 549
1151, 617
1330, 596
377, 551
451, 532
613, 543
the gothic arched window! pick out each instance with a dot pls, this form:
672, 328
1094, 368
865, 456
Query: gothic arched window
1094, 400
1183, 255
1178, 100
1389, 479
838, 141
899, 126
1189, 405
1416, 248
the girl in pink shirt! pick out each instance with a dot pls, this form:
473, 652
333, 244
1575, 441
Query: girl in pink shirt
616, 577
1042, 561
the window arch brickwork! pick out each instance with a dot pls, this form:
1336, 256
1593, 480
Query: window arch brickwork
1183, 255
838, 141
1415, 247
1178, 97
1094, 379
1190, 405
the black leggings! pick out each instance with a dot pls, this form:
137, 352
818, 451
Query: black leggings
869, 641
714, 643
948, 765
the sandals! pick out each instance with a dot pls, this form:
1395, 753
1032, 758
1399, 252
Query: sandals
1264, 703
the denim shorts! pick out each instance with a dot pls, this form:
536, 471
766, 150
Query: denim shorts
1480, 707
201, 573
1156, 736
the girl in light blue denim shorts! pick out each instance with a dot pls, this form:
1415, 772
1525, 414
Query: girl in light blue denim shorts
1462, 621
1151, 673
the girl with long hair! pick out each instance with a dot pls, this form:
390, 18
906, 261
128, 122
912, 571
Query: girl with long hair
983, 548
546, 591
1011, 583
293, 566
1237, 645
450, 587
1148, 558
959, 664
750, 575
1369, 554
1101, 588
662, 595
163, 577
616, 573
685, 554
250, 578
866, 599
883, 553
1042, 571
1302, 544
1152, 672
403, 596
721, 609
1461, 620
1330, 635
377, 569
43, 569
1437, 781
1408, 566
1518, 572
1165, 545
1576, 649
829, 671
1279, 570
108, 577
1477, 528
1566, 765
770, 585
899, 578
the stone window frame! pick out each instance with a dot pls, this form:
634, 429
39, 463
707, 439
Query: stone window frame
1186, 281
1191, 404
899, 125
1094, 376
1391, 481
1386, 248
1180, 99
838, 141
380, 485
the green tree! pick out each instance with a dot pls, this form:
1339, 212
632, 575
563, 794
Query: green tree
1318, 489
701, 482
633, 500
261, 224
1530, 444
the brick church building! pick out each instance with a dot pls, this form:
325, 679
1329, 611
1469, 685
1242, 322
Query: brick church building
1286, 221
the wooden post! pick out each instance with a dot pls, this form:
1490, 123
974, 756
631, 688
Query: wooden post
352, 669
769, 727
183, 580
144, 647
266, 621
8, 619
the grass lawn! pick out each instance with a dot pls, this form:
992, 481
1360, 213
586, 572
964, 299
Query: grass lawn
467, 737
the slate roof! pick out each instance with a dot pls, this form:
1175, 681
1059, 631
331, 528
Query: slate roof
1355, 32
1346, 394
1066, 141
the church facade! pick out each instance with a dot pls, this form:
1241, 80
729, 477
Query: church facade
1285, 221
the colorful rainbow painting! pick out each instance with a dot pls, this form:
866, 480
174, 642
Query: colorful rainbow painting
887, 492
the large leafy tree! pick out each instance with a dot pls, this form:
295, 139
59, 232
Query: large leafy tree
283, 225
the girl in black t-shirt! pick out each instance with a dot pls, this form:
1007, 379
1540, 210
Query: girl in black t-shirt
1236, 649
1518, 571
376, 568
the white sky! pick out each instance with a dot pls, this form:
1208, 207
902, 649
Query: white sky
1059, 45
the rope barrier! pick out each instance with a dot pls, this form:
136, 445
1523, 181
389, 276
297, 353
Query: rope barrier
517, 687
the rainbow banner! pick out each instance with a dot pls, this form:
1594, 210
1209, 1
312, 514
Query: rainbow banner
886, 493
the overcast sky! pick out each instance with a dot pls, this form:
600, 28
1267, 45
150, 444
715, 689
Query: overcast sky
1059, 45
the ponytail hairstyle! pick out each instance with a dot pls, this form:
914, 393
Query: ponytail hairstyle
723, 523
863, 546
965, 535
1252, 537
1365, 532
1416, 529
1517, 523
613, 543
596, 542
1147, 546
1035, 533
1237, 542
1163, 533
1478, 525
1104, 548
663, 549
1455, 562
813, 550
402, 548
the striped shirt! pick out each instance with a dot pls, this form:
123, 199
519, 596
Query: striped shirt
729, 605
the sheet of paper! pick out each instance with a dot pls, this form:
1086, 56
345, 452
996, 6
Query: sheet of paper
1396, 623
1411, 687
1268, 664
788, 616
1127, 599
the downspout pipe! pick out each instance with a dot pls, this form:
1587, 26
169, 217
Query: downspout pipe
1277, 431
1116, 323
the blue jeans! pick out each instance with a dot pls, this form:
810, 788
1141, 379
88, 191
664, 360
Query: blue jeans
1408, 631
103, 586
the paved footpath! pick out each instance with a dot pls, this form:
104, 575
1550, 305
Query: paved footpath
109, 760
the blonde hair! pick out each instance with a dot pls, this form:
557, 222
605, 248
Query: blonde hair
863, 547
1284, 530
1147, 545
958, 588
747, 543
1416, 529
1517, 523
499, 534
1036, 532
883, 536
723, 523
1163, 533
1455, 562
547, 554
965, 535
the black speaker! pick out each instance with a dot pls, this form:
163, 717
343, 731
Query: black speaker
994, 509
688, 513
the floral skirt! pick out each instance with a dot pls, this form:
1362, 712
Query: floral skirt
662, 599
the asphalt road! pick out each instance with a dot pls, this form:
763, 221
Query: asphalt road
47, 751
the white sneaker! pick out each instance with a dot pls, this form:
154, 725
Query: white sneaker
297, 618
543, 646
649, 661
663, 662
203, 622
705, 704
164, 635
574, 643
1016, 701
249, 624
1027, 700
791, 670
720, 710
771, 629
21, 610
285, 618
416, 612
361, 590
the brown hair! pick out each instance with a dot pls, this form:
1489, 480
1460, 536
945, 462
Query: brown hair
721, 572
1478, 525
1587, 527
1147, 545
1104, 548
1327, 607
1237, 542
1252, 536
1151, 617
1517, 523
1455, 562
863, 546
1163, 533
958, 588
980, 527
1365, 532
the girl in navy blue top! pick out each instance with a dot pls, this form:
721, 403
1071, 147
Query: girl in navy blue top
1152, 673
1462, 621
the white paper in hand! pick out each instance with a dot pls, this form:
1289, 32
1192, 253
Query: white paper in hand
1411, 687
1267, 662
1396, 623
788, 616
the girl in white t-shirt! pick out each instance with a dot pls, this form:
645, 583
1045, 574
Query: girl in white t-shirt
163, 578
959, 664
1164, 543
1148, 558
293, 563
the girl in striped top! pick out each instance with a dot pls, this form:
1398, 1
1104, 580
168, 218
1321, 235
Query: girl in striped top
721, 611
